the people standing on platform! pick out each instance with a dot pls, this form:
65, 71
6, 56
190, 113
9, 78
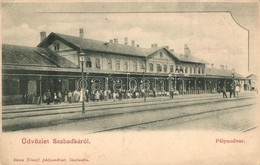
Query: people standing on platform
224, 92
87, 95
76, 95
114, 95
134, 94
232, 91
171, 94
124, 94
128, 93
105, 95
59, 96
137, 94
101, 97
154, 93
120, 95
44, 97
237, 90
109, 94
142, 93
97, 96
48, 97
70, 96
65, 96
55, 98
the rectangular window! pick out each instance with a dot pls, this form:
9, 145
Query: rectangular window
125, 65
88, 63
109, 64
199, 71
177, 69
142, 65
202, 70
117, 64
151, 67
97, 63
135, 66
186, 69
181, 70
56, 46
171, 68
190, 70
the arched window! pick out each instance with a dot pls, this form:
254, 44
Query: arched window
159, 68
98, 63
135, 65
151, 67
109, 64
177, 69
117, 64
165, 68
202, 70
125, 65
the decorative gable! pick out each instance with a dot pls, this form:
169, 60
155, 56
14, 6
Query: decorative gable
161, 61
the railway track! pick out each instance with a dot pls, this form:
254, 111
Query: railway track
179, 117
99, 112
113, 106
94, 104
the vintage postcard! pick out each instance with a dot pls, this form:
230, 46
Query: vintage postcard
142, 83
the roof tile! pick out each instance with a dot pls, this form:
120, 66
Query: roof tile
22, 55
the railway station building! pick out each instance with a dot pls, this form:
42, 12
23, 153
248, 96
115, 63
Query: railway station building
55, 65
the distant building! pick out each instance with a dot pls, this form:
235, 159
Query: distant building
252, 81
28, 72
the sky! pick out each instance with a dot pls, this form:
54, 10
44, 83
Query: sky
212, 36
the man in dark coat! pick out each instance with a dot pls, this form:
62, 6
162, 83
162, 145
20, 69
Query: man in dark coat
48, 97
232, 91
224, 92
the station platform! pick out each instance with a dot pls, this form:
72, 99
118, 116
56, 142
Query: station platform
61, 105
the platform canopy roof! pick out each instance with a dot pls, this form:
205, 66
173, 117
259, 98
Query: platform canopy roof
252, 77
215, 72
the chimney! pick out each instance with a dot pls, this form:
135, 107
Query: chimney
167, 47
154, 45
222, 67
111, 41
43, 35
133, 42
172, 50
212, 65
116, 40
81, 33
186, 50
137, 45
226, 67
126, 40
